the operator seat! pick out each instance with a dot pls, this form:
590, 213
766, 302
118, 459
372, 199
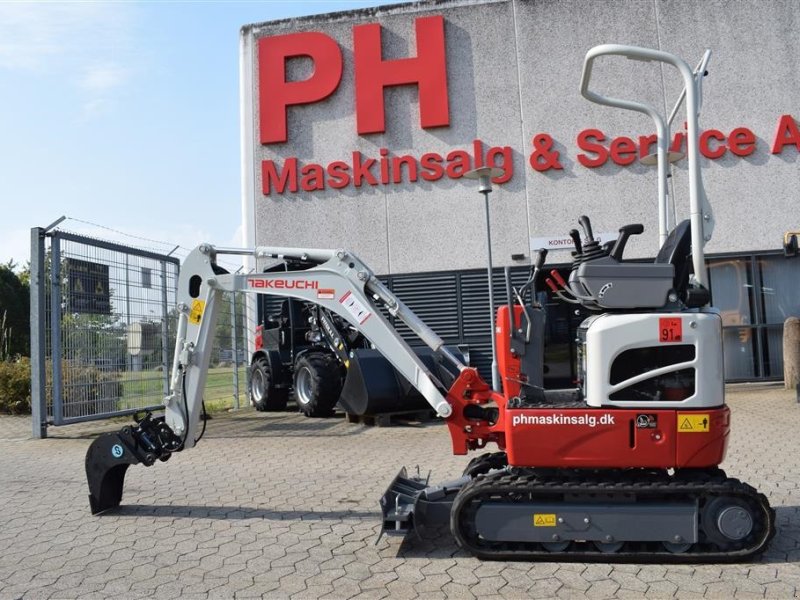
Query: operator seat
297, 325
677, 251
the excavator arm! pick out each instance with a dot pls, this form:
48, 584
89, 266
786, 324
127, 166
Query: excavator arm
336, 280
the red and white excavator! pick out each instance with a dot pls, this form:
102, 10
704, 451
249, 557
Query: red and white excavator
623, 467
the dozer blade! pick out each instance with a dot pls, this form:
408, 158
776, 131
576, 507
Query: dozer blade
398, 504
410, 504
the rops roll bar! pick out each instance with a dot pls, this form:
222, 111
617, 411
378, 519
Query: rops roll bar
702, 218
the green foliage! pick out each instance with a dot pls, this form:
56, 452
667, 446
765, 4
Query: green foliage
15, 305
85, 389
87, 385
88, 337
15, 386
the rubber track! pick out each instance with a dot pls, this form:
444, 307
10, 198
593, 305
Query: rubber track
530, 485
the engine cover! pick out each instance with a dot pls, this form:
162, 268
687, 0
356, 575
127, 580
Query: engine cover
654, 360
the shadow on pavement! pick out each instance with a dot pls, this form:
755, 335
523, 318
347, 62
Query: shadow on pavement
237, 512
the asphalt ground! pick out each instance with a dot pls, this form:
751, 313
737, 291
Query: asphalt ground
277, 505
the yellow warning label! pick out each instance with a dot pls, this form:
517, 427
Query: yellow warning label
197, 311
693, 423
544, 520
78, 287
98, 289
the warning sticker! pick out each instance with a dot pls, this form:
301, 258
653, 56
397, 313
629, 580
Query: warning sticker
326, 294
198, 306
544, 520
693, 423
354, 306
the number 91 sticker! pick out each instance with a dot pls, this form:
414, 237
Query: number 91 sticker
670, 329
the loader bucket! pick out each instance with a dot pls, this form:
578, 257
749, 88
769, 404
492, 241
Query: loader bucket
107, 459
373, 386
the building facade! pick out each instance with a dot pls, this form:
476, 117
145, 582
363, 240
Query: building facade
357, 129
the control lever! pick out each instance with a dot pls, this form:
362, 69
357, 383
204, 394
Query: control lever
625, 232
557, 276
591, 248
586, 224
539, 257
576, 239
551, 284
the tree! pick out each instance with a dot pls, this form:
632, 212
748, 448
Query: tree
15, 306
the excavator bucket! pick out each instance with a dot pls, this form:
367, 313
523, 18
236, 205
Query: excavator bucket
110, 455
107, 460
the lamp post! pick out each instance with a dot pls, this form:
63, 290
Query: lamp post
484, 177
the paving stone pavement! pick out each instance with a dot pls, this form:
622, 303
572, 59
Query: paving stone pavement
281, 506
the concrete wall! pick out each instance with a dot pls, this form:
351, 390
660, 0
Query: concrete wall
514, 70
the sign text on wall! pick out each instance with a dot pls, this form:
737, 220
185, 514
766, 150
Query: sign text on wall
427, 70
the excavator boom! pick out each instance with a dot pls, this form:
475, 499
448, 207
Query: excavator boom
336, 280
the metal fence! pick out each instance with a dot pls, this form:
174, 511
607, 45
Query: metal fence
103, 322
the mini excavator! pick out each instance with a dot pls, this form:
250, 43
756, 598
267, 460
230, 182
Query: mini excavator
623, 467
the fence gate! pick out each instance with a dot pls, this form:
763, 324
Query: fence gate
103, 326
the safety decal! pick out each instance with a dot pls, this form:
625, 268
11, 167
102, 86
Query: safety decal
544, 520
355, 308
670, 329
117, 451
198, 306
326, 294
646, 421
693, 423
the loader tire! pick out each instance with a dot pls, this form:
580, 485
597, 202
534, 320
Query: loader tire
317, 384
264, 396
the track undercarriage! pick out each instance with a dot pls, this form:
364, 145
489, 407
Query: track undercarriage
626, 515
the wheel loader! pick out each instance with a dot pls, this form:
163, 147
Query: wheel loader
315, 356
622, 467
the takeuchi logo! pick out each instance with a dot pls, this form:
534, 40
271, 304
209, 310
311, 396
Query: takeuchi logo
283, 284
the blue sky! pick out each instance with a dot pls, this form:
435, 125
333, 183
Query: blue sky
126, 115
